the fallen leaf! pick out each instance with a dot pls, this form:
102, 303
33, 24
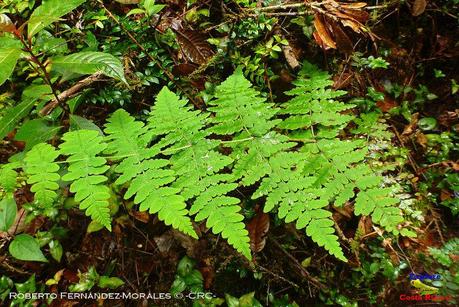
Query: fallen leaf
18, 226
358, 15
343, 42
142, 216
387, 104
258, 229
323, 32
184, 69
355, 26
421, 139
194, 46
353, 6
419, 6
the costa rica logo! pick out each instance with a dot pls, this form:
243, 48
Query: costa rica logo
424, 292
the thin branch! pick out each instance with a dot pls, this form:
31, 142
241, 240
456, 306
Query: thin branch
304, 272
70, 93
36, 60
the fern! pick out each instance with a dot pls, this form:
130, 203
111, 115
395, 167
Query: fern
149, 178
240, 112
185, 163
42, 173
8, 177
180, 133
314, 102
326, 170
85, 171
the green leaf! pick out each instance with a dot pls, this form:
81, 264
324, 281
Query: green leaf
14, 115
49, 12
7, 213
152, 8
56, 250
36, 131
8, 59
135, 12
110, 282
90, 62
81, 123
25, 247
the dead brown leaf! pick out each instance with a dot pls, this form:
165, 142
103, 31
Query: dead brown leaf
194, 46
322, 31
419, 6
142, 216
258, 229
6, 25
353, 6
343, 41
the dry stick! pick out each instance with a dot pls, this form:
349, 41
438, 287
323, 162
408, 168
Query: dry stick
277, 7
313, 280
153, 59
278, 276
70, 93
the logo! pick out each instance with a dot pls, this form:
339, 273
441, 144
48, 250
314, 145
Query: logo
423, 291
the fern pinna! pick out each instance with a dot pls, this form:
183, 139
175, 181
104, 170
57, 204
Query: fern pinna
186, 165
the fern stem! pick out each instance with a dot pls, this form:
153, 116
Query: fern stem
238, 141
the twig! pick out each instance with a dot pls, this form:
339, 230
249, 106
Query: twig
311, 279
277, 7
278, 276
70, 93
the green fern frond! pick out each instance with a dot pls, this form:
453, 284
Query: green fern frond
85, 171
8, 177
41, 168
241, 112
149, 178
314, 102
377, 203
293, 194
180, 133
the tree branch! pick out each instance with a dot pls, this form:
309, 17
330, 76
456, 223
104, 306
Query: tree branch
70, 93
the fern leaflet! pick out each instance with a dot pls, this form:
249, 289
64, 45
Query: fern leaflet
85, 171
41, 168
180, 133
149, 178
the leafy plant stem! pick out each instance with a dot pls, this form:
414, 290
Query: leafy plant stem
45, 76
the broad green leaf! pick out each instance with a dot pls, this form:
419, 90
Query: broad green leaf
152, 8
81, 123
49, 12
110, 282
25, 247
8, 58
36, 131
14, 115
90, 62
135, 11
7, 213
37, 92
